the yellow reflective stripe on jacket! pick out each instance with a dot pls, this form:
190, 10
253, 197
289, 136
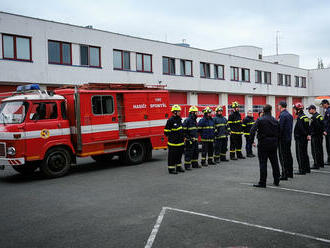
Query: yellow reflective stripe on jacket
319, 116
243, 125
246, 133
192, 128
207, 140
172, 144
221, 137
208, 127
176, 129
239, 121
250, 123
236, 132
221, 125
166, 130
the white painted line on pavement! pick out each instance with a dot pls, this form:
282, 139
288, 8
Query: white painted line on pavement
163, 211
320, 171
155, 229
294, 190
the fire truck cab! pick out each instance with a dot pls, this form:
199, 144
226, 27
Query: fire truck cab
48, 131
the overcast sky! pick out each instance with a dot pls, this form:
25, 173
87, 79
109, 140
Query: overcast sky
304, 25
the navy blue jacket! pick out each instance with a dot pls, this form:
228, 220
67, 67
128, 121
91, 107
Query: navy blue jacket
301, 129
221, 127
190, 128
286, 124
206, 128
327, 120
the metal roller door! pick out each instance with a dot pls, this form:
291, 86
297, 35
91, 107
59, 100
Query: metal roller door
208, 99
258, 103
237, 98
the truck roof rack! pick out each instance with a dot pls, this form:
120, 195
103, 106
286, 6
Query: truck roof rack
116, 86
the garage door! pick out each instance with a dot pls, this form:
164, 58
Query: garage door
258, 103
208, 99
277, 101
178, 98
237, 98
294, 101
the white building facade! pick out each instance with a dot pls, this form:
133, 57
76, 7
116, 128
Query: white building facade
54, 54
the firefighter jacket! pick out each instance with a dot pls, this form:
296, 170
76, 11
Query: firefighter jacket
190, 128
221, 127
174, 132
268, 130
286, 123
301, 129
327, 120
317, 126
206, 129
247, 124
235, 123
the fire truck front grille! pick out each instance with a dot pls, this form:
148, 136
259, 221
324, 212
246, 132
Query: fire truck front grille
2, 149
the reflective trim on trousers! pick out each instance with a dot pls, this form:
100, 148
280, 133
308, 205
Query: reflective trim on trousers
187, 162
171, 167
172, 144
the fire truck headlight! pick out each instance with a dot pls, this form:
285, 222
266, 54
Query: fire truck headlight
11, 151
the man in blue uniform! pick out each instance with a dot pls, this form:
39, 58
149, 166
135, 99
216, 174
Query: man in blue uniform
191, 139
221, 133
174, 132
326, 106
247, 123
284, 144
301, 131
206, 130
236, 131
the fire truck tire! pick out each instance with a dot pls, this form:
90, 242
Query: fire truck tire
27, 169
134, 154
103, 158
56, 163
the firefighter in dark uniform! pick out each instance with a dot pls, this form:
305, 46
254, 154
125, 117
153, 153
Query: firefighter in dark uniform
268, 132
206, 130
221, 133
235, 125
301, 131
174, 132
316, 131
191, 139
247, 123
326, 106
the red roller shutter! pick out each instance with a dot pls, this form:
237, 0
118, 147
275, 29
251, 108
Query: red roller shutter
258, 103
277, 101
208, 99
178, 98
7, 88
294, 101
237, 98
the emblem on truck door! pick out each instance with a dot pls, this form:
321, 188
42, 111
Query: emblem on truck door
44, 134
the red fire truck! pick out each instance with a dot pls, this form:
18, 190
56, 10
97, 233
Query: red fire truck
48, 131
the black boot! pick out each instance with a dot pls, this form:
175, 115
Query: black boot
210, 162
187, 166
172, 171
240, 155
259, 185
204, 164
217, 160
179, 169
223, 158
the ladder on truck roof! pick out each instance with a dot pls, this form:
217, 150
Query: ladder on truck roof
116, 86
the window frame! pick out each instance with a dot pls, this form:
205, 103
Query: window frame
287, 82
89, 56
169, 65
303, 82
184, 69
236, 69
143, 69
122, 60
296, 84
216, 71
265, 77
61, 52
205, 66
15, 47
280, 82
257, 72
113, 105
243, 74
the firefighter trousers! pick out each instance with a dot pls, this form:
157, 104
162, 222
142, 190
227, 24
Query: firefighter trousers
317, 150
302, 155
248, 145
174, 157
286, 160
263, 156
220, 148
236, 145
191, 153
207, 150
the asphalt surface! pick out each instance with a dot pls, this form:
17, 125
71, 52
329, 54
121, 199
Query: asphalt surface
111, 205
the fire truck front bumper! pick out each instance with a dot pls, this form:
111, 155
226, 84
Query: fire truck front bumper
11, 161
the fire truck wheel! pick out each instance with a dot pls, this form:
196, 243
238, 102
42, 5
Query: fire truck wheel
134, 154
27, 169
56, 162
103, 158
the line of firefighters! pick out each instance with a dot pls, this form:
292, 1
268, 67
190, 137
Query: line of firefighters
214, 132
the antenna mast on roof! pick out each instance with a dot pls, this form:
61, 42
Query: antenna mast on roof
277, 40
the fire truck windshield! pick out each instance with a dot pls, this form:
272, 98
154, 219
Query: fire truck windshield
13, 112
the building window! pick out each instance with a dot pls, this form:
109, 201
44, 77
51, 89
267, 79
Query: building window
245, 75
59, 52
234, 73
16, 47
258, 76
287, 80
102, 105
168, 66
296, 81
267, 77
186, 67
90, 56
143, 62
280, 79
205, 70
303, 82
121, 60
219, 72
